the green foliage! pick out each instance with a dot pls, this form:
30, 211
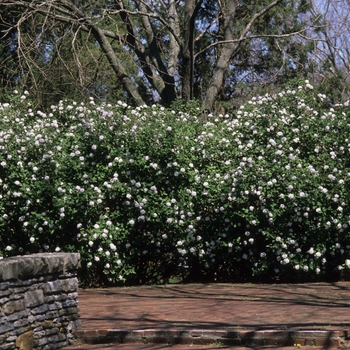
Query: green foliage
148, 193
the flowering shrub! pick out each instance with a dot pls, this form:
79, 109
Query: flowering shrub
148, 193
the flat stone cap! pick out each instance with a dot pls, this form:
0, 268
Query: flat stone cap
20, 267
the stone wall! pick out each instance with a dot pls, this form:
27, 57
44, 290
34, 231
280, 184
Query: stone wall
38, 301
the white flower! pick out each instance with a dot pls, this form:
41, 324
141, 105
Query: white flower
112, 246
272, 142
131, 222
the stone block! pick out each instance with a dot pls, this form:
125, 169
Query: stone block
50, 315
73, 295
72, 325
33, 298
69, 303
52, 331
70, 285
19, 290
21, 323
25, 341
4, 286
18, 315
53, 287
56, 297
15, 296
39, 333
11, 339
42, 342
69, 311
7, 327
27, 266
55, 306
39, 310
12, 306
47, 324
8, 346
5, 293
3, 301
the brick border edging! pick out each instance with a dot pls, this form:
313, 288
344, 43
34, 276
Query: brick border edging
205, 337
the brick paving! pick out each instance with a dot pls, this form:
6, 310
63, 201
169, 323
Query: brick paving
244, 308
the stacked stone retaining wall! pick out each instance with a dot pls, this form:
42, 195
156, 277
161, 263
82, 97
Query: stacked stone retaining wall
38, 301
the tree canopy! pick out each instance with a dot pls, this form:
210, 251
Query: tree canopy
148, 51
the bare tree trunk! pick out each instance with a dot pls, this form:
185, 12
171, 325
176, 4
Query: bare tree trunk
226, 53
231, 45
191, 10
116, 66
151, 63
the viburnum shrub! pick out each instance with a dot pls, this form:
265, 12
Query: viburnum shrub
146, 194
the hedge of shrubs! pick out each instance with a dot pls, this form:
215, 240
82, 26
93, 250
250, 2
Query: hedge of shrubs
150, 194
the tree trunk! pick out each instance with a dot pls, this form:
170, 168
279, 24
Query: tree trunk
191, 10
116, 66
217, 80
